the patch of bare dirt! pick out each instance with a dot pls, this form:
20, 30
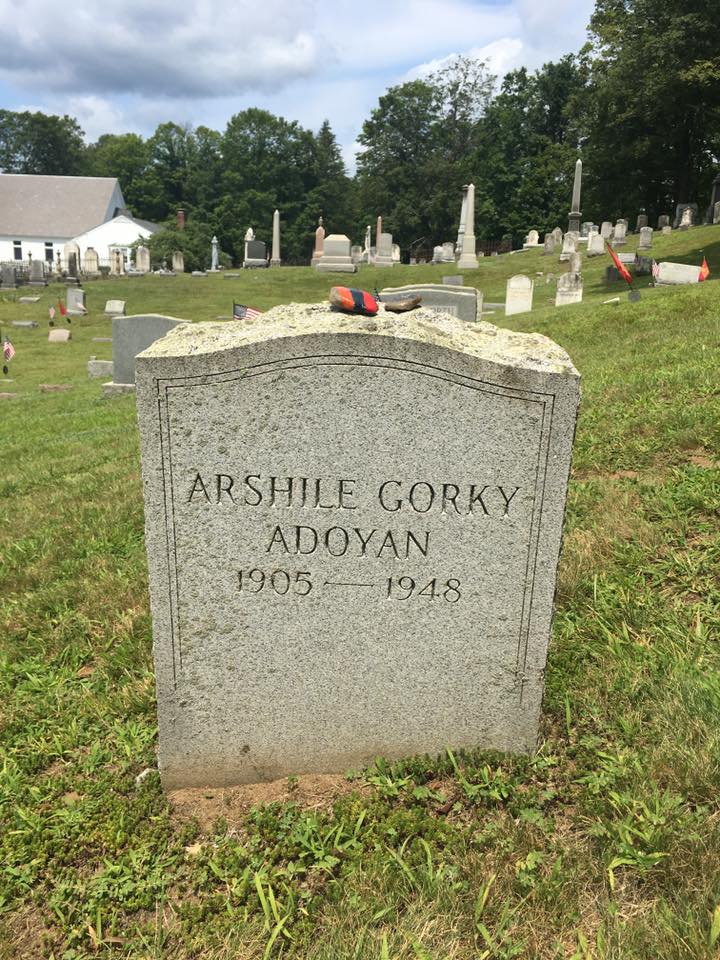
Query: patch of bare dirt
24, 934
311, 792
702, 458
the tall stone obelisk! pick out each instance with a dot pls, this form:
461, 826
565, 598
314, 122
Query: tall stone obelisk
275, 258
461, 229
468, 258
378, 231
575, 216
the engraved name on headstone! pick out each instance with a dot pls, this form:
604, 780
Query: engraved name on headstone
328, 581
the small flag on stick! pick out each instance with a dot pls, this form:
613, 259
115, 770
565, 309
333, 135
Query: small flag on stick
704, 271
241, 312
51, 313
61, 308
8, 350
655, 269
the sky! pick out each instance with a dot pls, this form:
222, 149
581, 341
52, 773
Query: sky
128, 66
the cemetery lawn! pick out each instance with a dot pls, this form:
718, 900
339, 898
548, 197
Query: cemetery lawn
604, 844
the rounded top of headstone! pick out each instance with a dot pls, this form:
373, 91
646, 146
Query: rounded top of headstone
528, 351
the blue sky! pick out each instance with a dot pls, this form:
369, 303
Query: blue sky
129, 66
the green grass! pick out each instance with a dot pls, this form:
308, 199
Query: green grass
603, 845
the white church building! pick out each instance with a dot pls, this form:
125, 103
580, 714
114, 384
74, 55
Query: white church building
39, 215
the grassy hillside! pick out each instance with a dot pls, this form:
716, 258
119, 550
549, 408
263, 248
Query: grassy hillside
603, 845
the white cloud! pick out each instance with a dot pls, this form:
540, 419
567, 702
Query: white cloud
195, 48
131, 66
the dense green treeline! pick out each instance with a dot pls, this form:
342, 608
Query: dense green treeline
640, 104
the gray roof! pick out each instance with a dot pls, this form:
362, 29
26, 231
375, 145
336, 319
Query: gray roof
36, 206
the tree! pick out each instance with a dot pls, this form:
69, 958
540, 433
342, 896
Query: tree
126, 157
39, 143
653, 110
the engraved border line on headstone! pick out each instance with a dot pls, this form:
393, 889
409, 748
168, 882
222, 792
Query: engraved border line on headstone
164, 385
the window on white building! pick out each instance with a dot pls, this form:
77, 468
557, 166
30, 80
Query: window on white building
48, 251
17, 249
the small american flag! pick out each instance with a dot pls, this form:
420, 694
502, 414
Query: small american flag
241, 312
655, 269
8, 350
51, 312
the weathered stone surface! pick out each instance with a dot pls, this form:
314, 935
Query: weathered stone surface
384, 254
596, 245
453, 281
620, 233
336, 255
178, 261
575, 263
59, 336
99, 368
7, 276
531, 240
25, 324
606, 230
518, 295
36, 275
569, 289
115, 308
91, 261
676, 273
686, 214
663, 221
75, 301
142, 259
716, 212
465, 303
569, 247
646, 235
282, 642
549, 243
132, 335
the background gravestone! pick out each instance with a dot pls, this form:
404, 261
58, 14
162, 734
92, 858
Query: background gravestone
465, 303
569, 289
677, 273
132, 335
376, 606
518, 295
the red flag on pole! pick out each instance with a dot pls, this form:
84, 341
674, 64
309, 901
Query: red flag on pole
704, 271
622, 269
61, 308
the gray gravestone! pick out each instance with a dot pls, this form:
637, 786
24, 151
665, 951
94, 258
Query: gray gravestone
25, 324
465, 303
91, 262
569, 289
549, 244
688, 218
59, 336
575, 263
7, 276
620, 233
178, 261
255, 254
569, 246
642, 221
663, 221
558, 234
643, 266
646, 235
132, 335
337, 584
336, 255
518, 295
99, 368
678, 273
115, 308
75, 301
36, 276
606, 230
454, 281
716, 212
383, 257
596, 245
611, 274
